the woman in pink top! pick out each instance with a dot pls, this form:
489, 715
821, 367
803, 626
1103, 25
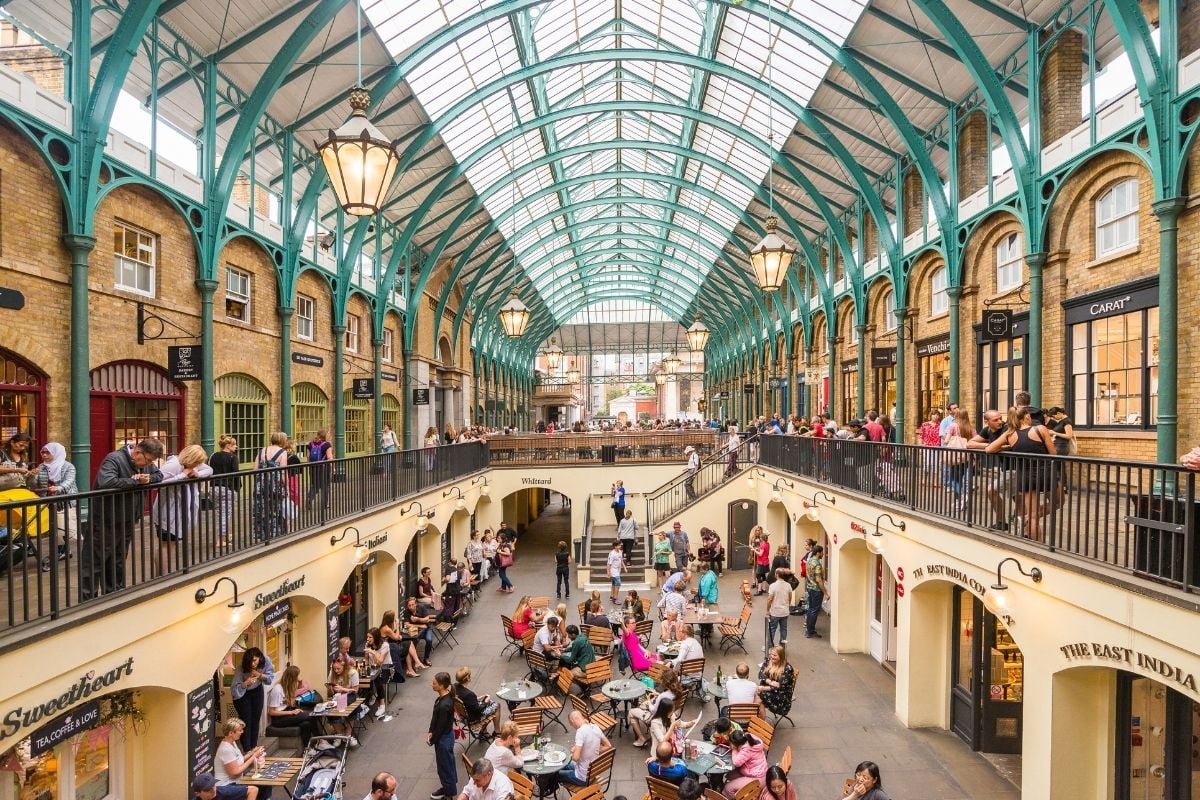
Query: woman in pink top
749, 759
639, 660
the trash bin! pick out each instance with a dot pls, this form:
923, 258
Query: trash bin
578, 551
608, 453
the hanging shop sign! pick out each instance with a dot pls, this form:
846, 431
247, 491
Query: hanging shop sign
997, 325
933, 347
1078, 651
391, 377
1133, 296
11, 299
183, 362
720, 396
883, 356
747, 388
1018, 328
202, 730
307, 360
850, 366
371, 561
277, 614
331, 625
54, 733
363, 388
420, 397
776, 382
92, 683
288, 586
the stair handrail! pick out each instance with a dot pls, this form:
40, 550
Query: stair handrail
587, 533
718, 456
710, 475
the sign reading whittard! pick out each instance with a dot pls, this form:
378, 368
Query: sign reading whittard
1127, 655
87, 685
287, 587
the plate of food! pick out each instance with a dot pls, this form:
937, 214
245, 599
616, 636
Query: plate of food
554, 758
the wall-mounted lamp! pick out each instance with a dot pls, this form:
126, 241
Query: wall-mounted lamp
460, 503
236, 621
483, 490
360, 549
998, 600
813, 512
750, 477
423, 516
901, 524
777, 493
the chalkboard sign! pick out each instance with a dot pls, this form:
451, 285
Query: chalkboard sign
202, 729
331, 614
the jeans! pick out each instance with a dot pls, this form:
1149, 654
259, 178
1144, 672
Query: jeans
443, 753
562, 582
627, 548
505, 583
223, 499
102, 549
427, 635
776, 624
815, 597
619, 512
249, 708
567, 775
690, 486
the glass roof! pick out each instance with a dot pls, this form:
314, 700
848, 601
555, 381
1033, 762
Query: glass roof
661, 218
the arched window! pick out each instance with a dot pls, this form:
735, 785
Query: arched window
358, 433
310, 408
940, 301
241, 412
131, 401
1009, 269
22, 399
889, 311
391, 411
1116, 218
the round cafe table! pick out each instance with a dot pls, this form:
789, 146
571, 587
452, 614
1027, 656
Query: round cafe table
705, 763
516, 692
623, 690
540, 769
711, 690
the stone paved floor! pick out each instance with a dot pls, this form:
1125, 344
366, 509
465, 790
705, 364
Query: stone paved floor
843, 711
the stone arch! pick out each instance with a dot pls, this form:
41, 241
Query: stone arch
445, 353
876, 295
1078, 189
978, 259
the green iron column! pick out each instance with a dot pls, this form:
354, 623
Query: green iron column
954, 293
1168, 211
377, 417
339, 400
862, 331
407, 383
81, 433
208, 433
902, 315
1033, 359
833, 376
285, 368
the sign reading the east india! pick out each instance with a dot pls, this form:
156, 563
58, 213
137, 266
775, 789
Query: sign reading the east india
1127, 655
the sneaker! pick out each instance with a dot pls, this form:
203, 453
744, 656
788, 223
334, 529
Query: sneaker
388, 718
353, 742
438, 795
783, 641
998, 526
379, 712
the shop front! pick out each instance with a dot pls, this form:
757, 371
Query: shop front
987, 676
933, 376
1001, 367
882, 624
271, 632
1157, 733
79, 755
22, 400
849, 395
883, 365
131, 401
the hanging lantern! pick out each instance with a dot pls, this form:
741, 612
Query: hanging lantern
554, 355
359, 160
771, 258
697, 336
514, 316
660, 378
572, 376
671, 364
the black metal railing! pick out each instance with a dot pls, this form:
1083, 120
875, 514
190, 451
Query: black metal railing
59, 552
1135, 516
715, 470
598, 448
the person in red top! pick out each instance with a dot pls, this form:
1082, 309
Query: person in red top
874, 430
762, 557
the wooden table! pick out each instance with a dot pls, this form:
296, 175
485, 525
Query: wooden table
692, 616
334, 713
275, 772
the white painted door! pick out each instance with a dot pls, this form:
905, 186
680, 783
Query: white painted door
876, 602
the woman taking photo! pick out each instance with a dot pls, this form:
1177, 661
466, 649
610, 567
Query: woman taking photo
664, 727
282, 708
253, 675
776, 680
866, 784
618, 501
749, 759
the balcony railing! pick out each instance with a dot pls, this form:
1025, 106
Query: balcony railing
715, 470
599, 448
116, 541
1134, 516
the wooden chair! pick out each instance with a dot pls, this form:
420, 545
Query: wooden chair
582, 609
658, 789
603, 720
780, 717
522, 786
511, 642
467, 762
785, 763
713, 794
645, 601
528, 719
691, 672
656, 670
589, 792
645, 629
484, 730
600, 770
443, 632
742, 713
601, 639
551, 706
539, 668
750, 791
527, 640
539, 602
761, 730
595, 675
735, 635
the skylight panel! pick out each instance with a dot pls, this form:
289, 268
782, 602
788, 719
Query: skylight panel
673, 20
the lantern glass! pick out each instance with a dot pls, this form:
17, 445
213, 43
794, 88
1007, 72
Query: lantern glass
360, 162
697, 336
554, 355
572, 376
660, 378
771, 258
514, 317
671, 364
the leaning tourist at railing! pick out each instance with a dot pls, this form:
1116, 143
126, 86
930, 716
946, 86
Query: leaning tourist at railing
1033, 475
177, 508
1191, 459
430, 444
110, 524
270, 488
55, 477
957, 474
997, 471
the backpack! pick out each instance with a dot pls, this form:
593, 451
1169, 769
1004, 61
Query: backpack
315, 450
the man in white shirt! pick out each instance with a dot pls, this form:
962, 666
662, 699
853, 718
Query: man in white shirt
589, 742
779, 599
693, 467
383, 787
689, 648
741, 689
486, 783
615, 565
548, 641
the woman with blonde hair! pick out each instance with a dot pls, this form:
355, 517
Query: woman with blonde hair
224, 490
505, 750
776, 681
431, 443
176, 508
230, 763
283, 709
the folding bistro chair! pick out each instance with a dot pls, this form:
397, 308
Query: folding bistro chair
750, 791
539, 668
691, 672
603, 720
785, 763
742, 713
600, 770
482, 730
443, 632
761, 730
658, 789
522, 786
734, 634
601, 639
511, 642
551, 706
528, 719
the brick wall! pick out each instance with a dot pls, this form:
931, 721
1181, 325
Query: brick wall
241, 196
36, 61
914, 202
1061, 103
1189, 27
925, 326
974, 147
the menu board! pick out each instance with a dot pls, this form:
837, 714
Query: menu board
331, 614
201, 735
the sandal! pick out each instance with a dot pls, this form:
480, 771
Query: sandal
411, 675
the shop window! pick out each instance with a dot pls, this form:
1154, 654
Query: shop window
1116, 218
386, 349
81, 768
131, 401
391, 411
358, 433
1114, 370
237, 295
940, 301
135, 255
1008, 263
309, 409
242, 411
305, 313
889, 311
351, 333
22, 399
1157, 729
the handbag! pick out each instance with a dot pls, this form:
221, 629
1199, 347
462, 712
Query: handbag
505, 559
11, 480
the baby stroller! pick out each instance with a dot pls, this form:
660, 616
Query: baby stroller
320, 776
20, 527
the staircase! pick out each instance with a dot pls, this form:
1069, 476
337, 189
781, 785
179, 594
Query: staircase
598, 541
672, 497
